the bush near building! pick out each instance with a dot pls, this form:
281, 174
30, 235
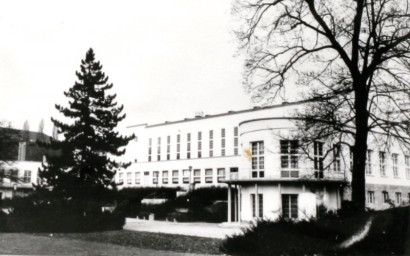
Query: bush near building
323, 236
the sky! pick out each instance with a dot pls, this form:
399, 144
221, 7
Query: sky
167, 59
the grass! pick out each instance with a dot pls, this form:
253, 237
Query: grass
156, 241
322, 237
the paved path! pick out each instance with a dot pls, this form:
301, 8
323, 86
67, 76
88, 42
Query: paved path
200, 229
27, 244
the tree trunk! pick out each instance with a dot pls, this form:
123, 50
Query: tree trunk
359, 151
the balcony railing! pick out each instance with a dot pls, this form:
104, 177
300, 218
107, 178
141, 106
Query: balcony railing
296, 174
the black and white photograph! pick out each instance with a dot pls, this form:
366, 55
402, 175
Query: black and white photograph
205, 127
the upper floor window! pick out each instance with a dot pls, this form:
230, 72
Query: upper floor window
407, 163
318, 157
168, 147
235, 141
149, 149
382, 163
395, 162
336, 158
211, 143
178, 146
199, 144
223, 142
369, 161
188, 146
258, 159
289, 158
159, 149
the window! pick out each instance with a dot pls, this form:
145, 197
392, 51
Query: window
260, 206
398, 197
199, 144
258, 159
159, 149
223, 142
318, 156
290, 206
221, 174
370, 197
385, 197
351, 158
235, 141
178, 146
289, 158
188, 146
137, 178
197, 176
168, 147
407, 163
27, 177
22, 151
185, 176
164, 177
208, 175
369, 161
150, 150
155, 176
394, 158
336, 158
129, 178
175, 177
121, 178
382, 163
211, 143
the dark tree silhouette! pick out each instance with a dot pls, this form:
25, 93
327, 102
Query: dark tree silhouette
85, 167
348, 59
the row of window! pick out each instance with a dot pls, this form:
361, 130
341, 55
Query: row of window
371, 199
174, 177
14, 174
394, 164
199, 145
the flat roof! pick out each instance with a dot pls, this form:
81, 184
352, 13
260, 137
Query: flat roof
222, 114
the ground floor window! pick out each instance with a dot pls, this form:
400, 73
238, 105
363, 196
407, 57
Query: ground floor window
165, 177
197, 176
208, 175
290, 206
385, 197
398, 197
221, 174
370, 197
260, 205
175, 177
137, 178
155, 177
129, 177
185, 177
27, 177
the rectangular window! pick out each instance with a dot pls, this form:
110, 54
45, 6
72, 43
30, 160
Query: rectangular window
150, 150
211, 143
208, 176
199, 144
137, 178
188, 146
164, 177
398, 198
121, 178
290, 206
27, 177
129, 178
168, 147
223, 142
185, 176
155, 176
175, 178
318, 156
22, 151
370, 197
395, 162
260, 205
159, 149
235, 141
382, 163
197, 176
369, 162
289, 158
385, 197
221, 174
351, 158
336, 158
178, 146
407, 163
258, 159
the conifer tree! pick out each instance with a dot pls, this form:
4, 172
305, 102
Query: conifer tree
85, 167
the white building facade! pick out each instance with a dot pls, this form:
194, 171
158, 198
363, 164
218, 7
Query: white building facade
251, 152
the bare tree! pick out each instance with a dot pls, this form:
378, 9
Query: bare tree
349, 59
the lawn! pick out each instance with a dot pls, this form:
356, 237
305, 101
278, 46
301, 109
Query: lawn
157, 241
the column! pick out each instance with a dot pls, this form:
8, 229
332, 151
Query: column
229, 203
235, 203
256, 201
239, 203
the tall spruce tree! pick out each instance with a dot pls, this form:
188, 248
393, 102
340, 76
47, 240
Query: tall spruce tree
85, 167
